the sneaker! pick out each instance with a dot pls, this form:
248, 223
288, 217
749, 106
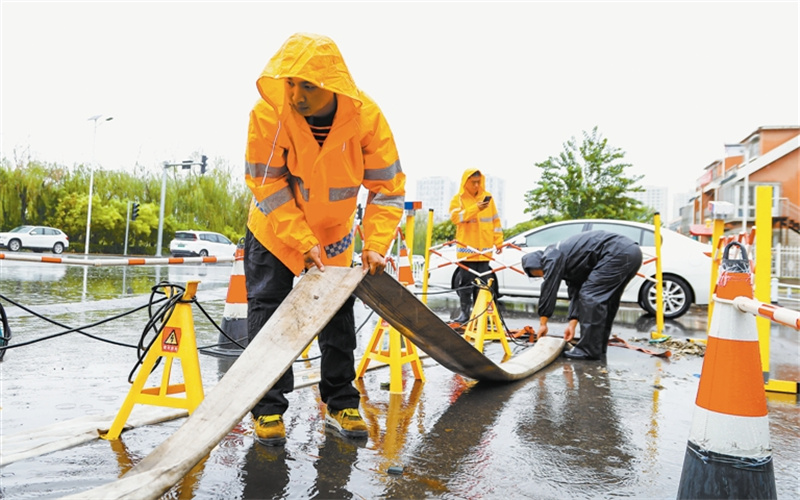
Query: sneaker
270, 430
348, 422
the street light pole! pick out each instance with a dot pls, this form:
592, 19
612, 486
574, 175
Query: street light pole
185, 164
91, 181
161, 208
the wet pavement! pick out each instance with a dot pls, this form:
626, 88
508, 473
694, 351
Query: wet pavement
611, 428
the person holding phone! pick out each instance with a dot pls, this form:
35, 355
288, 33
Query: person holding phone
478, 233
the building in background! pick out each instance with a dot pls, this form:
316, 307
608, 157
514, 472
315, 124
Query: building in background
654, 197
769, 156
680, 200
435, 194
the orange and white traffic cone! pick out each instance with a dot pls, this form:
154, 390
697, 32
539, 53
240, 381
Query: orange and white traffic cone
405, 274
728, 454
234, 316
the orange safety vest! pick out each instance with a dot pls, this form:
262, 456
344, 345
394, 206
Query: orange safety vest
480, 230
304, 194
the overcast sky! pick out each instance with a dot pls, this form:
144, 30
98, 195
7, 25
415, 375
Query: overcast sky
497, 86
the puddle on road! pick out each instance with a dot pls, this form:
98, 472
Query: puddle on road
577, 429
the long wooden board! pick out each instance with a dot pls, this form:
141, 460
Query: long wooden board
294, 325
307, 309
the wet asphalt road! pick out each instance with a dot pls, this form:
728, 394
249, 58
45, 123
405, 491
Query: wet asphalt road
611, 428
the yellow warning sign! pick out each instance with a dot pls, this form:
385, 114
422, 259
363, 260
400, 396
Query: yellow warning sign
170, 339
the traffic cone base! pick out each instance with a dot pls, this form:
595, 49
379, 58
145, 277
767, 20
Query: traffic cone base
707, 474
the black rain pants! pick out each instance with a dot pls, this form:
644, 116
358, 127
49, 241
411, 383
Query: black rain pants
600, 294
268, 282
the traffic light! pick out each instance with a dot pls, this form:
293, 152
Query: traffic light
135, 211
203, 164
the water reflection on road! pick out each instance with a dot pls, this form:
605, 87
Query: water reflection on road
616, 427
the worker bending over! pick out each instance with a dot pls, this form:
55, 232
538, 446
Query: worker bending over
596, 266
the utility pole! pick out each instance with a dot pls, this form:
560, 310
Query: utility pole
185, 164
127, 226
91, 181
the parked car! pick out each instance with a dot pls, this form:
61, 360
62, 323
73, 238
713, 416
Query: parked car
685, 264
201, 244
36, 238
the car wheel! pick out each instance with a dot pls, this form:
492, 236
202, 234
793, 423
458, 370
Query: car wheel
58, 248
14, 245
677, 297
203, 253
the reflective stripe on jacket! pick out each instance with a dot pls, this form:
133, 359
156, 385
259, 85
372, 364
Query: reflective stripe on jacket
477, 230
304, 194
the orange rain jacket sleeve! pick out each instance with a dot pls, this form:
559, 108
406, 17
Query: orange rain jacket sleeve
304, 194
477, 231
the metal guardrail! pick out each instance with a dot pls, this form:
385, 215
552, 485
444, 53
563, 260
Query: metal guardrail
784, 292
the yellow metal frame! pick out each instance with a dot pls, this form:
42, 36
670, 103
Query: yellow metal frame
762, 277
716, 259
659, 281
176, 340
484, 321
395, 353
307, 350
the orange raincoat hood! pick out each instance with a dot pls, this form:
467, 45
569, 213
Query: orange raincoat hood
310, 57
464, 177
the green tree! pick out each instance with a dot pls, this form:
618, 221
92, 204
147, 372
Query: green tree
586, 181
443, 232
53, 195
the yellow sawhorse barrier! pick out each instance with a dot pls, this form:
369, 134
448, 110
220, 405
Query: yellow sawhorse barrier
484, 321
176, 340
307, 350
400, 351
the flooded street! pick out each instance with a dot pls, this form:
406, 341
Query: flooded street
577, 429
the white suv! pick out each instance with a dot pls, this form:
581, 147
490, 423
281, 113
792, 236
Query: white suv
202, 244
37, 238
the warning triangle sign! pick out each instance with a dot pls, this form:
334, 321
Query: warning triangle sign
171, 339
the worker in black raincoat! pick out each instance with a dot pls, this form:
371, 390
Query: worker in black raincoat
596, 266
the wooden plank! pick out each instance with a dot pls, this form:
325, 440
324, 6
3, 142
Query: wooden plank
63, 435
307, 309
405, 312
297, 321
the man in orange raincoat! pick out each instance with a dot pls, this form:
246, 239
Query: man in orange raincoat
478, 232
314, 140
